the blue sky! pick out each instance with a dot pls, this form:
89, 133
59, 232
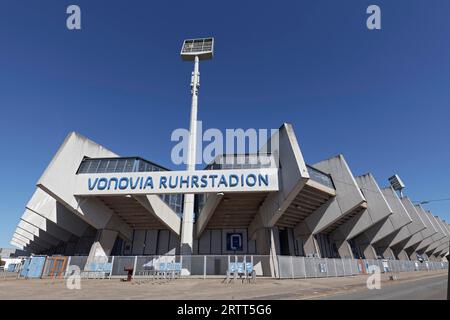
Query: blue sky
381, 98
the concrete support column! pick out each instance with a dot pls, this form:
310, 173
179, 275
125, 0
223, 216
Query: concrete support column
102, 247
309, 244
389, 254
369, 252
413, 256
274, 251
402, 255
344, 249
268, 243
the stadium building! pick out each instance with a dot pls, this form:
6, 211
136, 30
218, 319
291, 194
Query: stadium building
93, 202
296, 209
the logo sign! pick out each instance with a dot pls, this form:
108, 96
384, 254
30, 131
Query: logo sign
202, 181
234, 242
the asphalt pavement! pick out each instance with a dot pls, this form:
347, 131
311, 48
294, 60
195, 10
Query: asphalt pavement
421, 289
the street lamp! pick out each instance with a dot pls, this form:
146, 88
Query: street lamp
193, 50
397, 184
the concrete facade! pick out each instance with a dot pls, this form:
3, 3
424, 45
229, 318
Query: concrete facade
319, 210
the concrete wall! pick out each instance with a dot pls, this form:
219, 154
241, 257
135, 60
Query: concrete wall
154, 242
412, 234
382, 234
292, 178
59, 180
377, 210
348, 199
435, 238
398, 219
348, 194
214, 241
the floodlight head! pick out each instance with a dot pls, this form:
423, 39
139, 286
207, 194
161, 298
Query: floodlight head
203, 48
396, 183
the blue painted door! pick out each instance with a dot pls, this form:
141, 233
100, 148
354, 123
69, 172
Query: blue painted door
36, 266
25, 266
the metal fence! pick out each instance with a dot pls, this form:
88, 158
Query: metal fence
217, 265
302, 267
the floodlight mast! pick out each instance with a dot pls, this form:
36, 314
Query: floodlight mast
187, 228
193, 49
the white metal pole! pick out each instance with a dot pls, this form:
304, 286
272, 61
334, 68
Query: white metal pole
187, 228
204, 267
134, 266
112, 266
67, 266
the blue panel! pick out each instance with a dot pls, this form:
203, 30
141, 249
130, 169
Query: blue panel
36, 266
11, 267
24, 271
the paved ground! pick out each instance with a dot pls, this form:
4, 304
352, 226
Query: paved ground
422, 289
430, 282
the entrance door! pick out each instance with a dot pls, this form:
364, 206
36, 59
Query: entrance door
57, 266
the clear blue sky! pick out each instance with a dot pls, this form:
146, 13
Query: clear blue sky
382, 98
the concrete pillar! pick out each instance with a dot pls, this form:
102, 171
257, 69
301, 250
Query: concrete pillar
309, 244
369, 252
344, 249
389, 254
101, 248
274, 251
402, 255
268, 243
412, 256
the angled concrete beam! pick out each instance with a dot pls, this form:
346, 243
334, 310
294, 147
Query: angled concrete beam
436, 233
292, 178
41, 242
414, 241
391, 231
440, 226
161, 211
443, 241
18, 241
439, 238
46, 206
21, 239
398, 219
398, 237
15, 244
102, 247
424, 245
40, 222
212, 201
60, 177
434, 246
348, 197
430, 230
24, 233
38, 232
348, 202
408, 235
443, 248
419, 223
377, 210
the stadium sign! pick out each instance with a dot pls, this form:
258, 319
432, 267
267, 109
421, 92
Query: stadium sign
162, 182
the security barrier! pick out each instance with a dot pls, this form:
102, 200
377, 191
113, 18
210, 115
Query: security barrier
302, 267
282, 267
